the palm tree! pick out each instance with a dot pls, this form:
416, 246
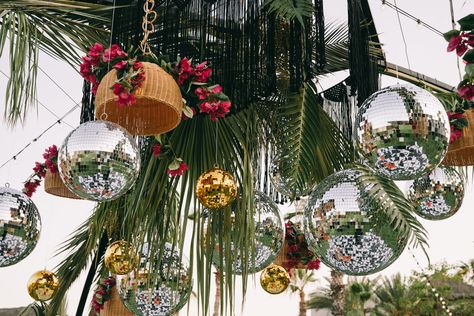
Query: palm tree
299, 280
337, 286
156, 210
395, 298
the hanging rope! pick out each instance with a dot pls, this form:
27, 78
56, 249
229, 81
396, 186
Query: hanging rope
148, 25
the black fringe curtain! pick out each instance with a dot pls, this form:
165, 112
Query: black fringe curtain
337, 105
364, 76
319, 33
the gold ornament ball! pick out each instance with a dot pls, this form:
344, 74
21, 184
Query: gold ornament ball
43, 285
274, 279
121, 257
216, 188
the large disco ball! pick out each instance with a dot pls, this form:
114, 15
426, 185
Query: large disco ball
269, 236
403, 131
437, 195
345, 225
157, 289
20, 226
99, 161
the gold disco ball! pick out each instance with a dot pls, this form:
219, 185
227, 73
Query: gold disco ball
121, 257
274, 279
216, 188
43, 285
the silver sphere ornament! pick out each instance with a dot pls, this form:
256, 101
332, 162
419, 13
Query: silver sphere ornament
99, 161
269, 237
346, 226
157, 289
437, 195
20, 226
403, 131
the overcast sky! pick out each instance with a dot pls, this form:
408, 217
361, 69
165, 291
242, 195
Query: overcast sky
450, 240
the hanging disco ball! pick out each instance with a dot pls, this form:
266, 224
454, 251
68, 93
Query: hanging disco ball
437, 195
269, 236
42, 285
157, 289
120, 257
216, 188
20, 226
99, 161
274, 279
403, 131
345, 225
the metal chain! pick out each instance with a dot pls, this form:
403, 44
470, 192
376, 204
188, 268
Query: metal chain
148, 25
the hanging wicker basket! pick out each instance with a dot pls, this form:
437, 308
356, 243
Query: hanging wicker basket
114, 306
157, 108
281, 258
461, 151
53, 184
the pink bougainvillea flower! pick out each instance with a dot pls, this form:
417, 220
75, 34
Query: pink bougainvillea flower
113, 52
125, 98
137, 65
215, 108
216, 89
176, 168
94, 53
202, 93
121, 65
156, 150
202, 72
466, 92
292, 248
454, 42
314, 264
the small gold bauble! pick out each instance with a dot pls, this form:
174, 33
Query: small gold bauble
274, 279
216, 188
43, 285
121, 257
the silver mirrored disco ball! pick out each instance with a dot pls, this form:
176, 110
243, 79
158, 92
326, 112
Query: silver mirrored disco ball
403, 131
345, 225
437, 195
269, 236
157, 289
99, 161
20, 226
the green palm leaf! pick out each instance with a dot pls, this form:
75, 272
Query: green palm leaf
290, 9
59, 28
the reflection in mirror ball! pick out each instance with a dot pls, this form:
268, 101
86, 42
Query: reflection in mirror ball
345, 225
269, 236
403, 131
120, 257
161, 290
42, 285
99, 161
20, 226
437, 195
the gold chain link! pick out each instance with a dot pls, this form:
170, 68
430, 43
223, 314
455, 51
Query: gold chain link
148, 25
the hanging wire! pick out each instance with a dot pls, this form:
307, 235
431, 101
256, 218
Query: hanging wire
410, 16
217, 140
403, 35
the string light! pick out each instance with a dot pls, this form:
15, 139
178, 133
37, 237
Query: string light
410, 16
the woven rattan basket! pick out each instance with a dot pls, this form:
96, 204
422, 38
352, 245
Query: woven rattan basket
158, 105
281, 258
461, 151
114, 306
53, 184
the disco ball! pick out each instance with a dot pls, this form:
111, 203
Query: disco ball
274, 279
269, 236
403, 131
157, 289
20, 226
99, 161
216, 188
345, 225
42, 285
284, 184
437, 195
120, 257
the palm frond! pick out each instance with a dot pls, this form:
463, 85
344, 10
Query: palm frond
290, 9
310, 146
59, 28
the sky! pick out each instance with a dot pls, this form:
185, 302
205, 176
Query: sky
450, 240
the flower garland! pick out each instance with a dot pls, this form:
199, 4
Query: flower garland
297, 253
199, 94
462, 42
162, 149
102, 294
50, 163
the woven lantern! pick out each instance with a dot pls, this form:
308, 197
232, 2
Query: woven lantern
157, 108
53, 184
114, 306
461, 151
